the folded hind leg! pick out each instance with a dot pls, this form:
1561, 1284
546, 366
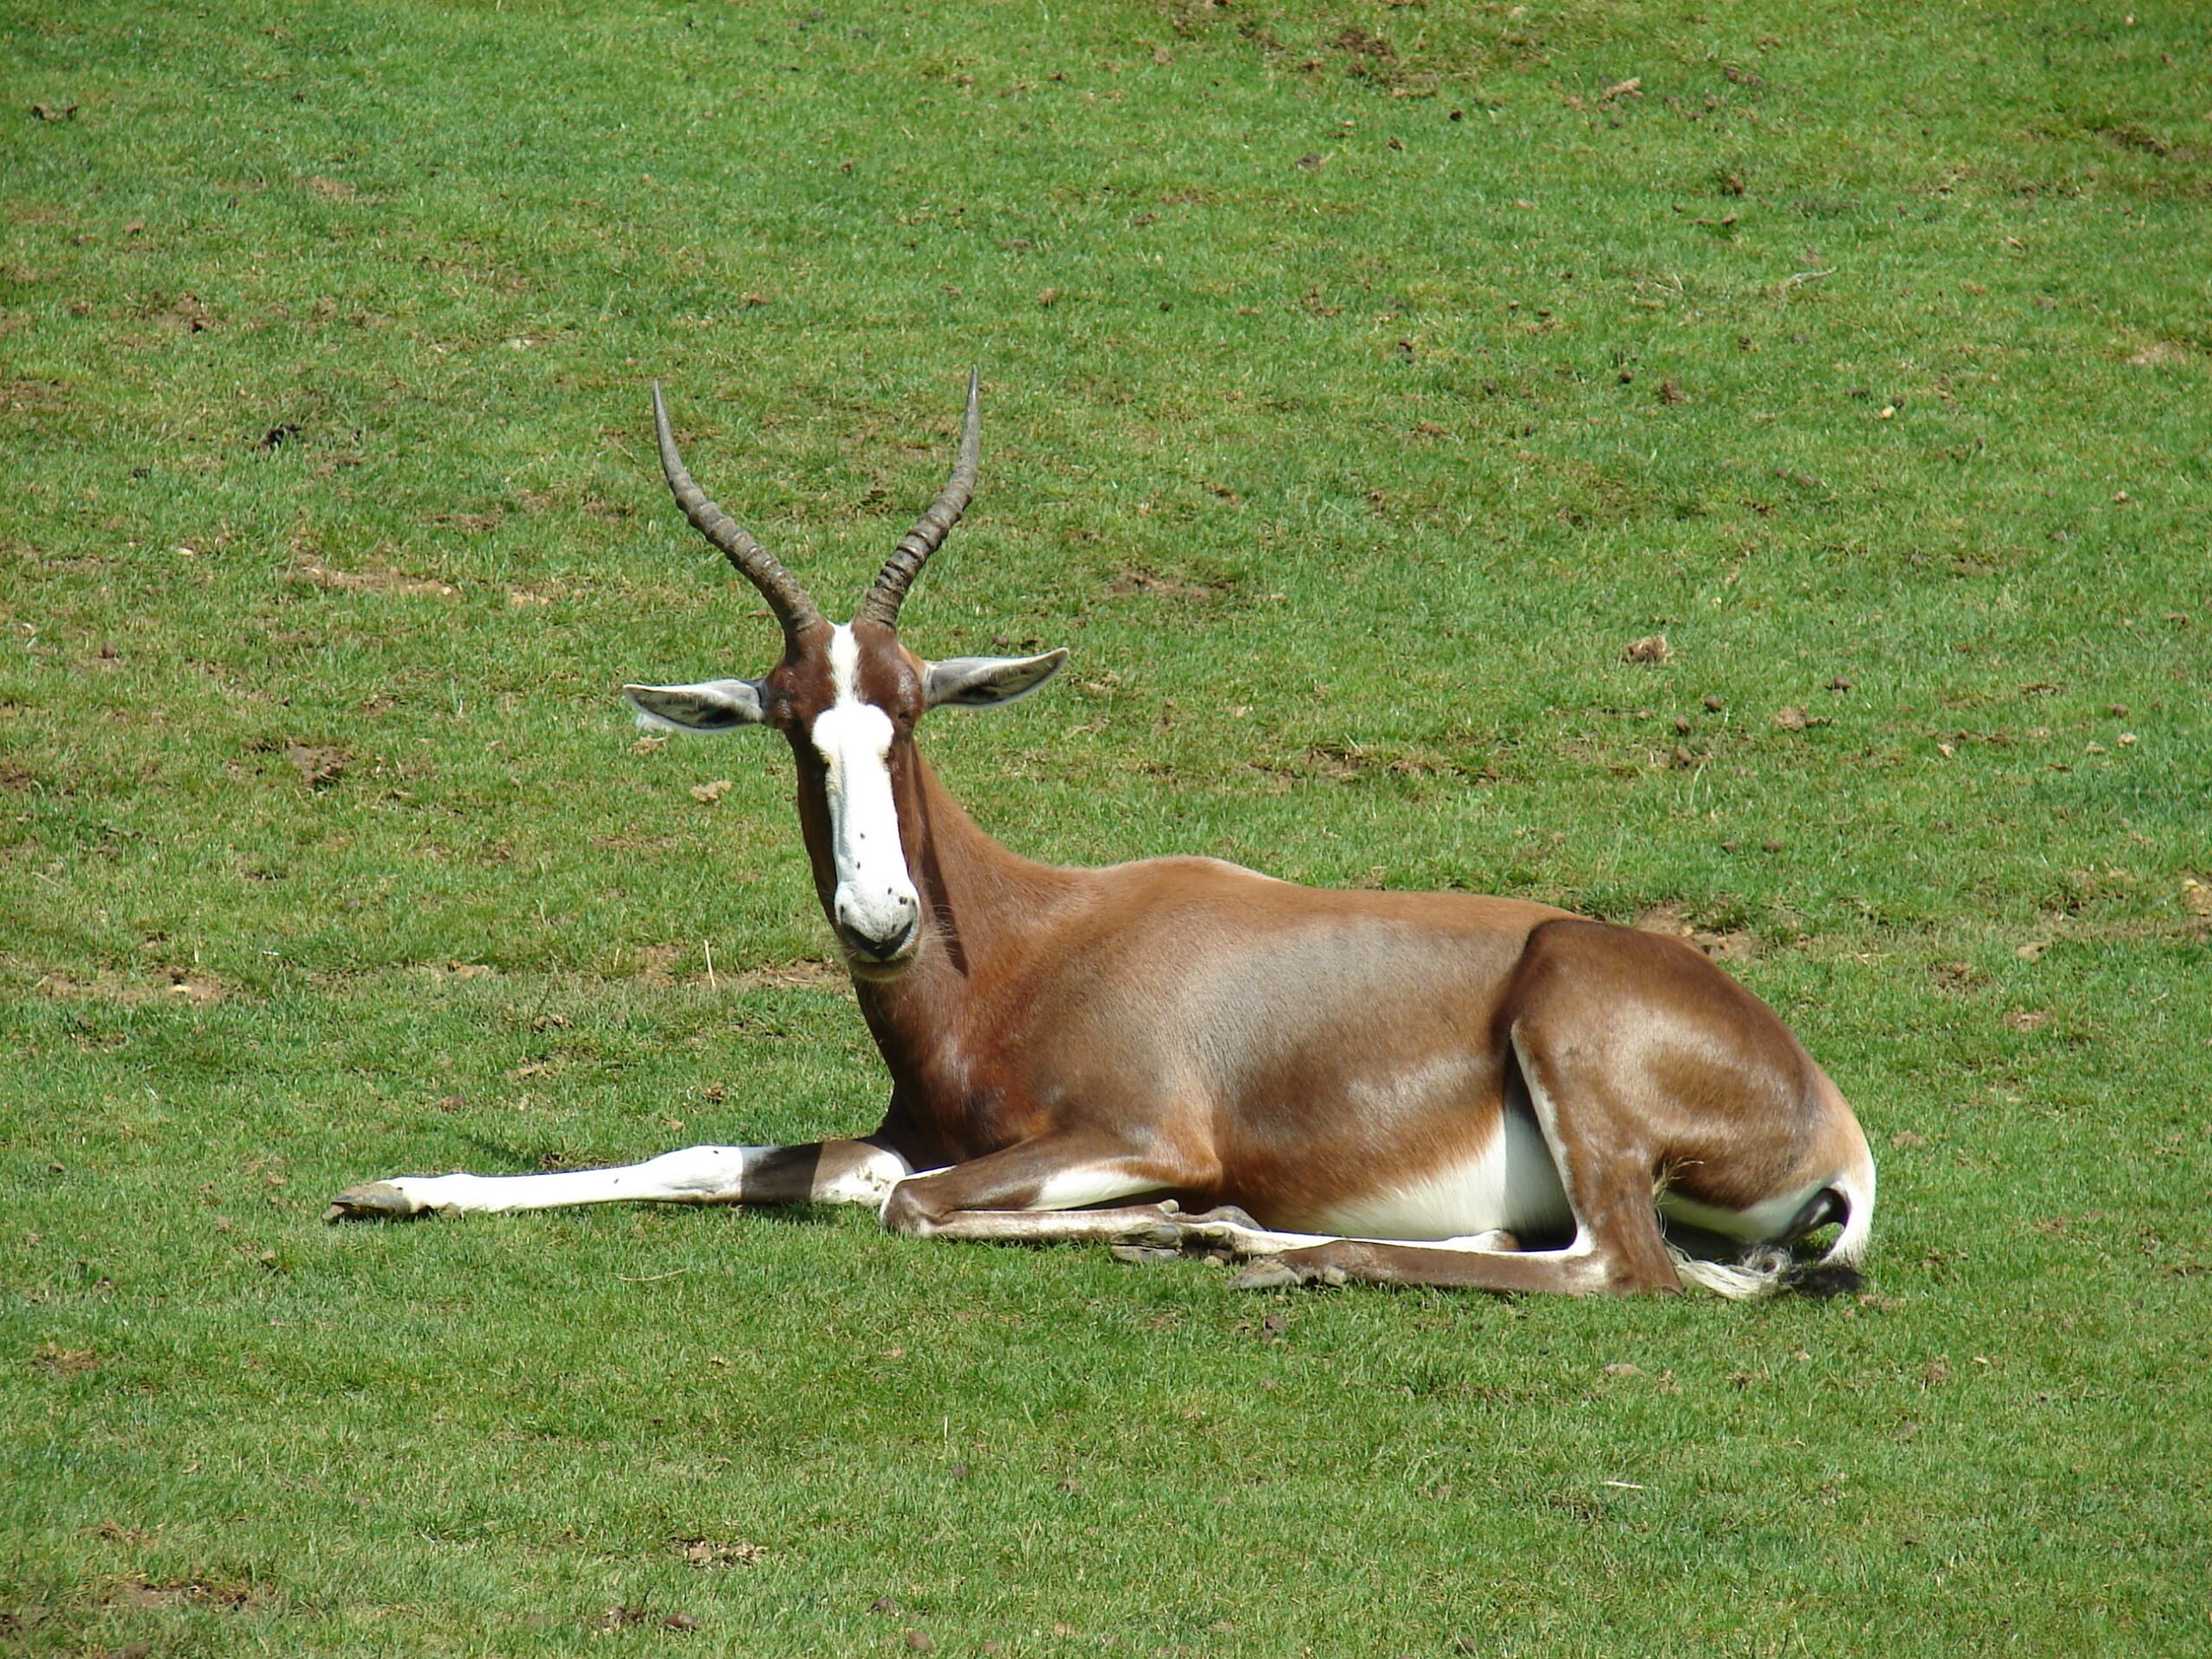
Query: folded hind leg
1584, 1104
1590, 1127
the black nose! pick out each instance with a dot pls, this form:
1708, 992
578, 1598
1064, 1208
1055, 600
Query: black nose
883, 949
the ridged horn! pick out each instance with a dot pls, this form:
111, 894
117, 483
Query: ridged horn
754, 562
888, 591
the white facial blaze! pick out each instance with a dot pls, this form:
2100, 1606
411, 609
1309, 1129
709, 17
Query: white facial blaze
875, 896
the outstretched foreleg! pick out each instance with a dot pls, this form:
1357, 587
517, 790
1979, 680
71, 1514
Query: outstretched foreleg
825, 1172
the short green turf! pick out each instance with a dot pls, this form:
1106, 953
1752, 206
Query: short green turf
1362, 383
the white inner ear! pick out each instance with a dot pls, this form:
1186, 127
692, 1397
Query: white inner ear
708, 705
986, 682
875, 896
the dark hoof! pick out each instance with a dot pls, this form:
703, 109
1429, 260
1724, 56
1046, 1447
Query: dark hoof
1151, 1235
1284, 1272
1267, 1272
370, 1201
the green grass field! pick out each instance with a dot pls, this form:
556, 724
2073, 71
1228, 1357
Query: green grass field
1361, 382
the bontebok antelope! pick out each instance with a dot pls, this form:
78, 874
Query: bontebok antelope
1430, 1088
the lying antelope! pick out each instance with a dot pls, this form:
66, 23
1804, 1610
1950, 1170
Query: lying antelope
1430, 1088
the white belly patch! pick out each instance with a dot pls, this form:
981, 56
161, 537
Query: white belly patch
1511, 1183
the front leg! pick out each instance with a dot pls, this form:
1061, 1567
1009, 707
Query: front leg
1037, 1193
825, 1172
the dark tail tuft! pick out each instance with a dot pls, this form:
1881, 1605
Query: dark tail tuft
1823, 1279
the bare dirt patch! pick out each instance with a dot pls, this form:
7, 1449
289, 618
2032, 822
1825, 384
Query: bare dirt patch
2133, 134
183, 986
468, 523
655, 961
21, 397
2162, 355
136, 1593
807, 973
371, 581
1341, 762
657, 966
1338, 761
1731, 945
1136, 579
708, 1552
187, 313
318, 765
58, 1361
614, 1620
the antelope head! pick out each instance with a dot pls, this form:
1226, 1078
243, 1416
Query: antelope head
847, 696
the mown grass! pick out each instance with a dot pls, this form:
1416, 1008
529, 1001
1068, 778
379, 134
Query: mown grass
1361, 381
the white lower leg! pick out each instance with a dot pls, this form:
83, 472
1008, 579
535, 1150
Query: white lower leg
694, 1175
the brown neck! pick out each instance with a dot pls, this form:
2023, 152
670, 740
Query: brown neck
984, 902
988, 908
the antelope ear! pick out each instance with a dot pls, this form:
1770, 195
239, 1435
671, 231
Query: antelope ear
986, 682
709, 705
